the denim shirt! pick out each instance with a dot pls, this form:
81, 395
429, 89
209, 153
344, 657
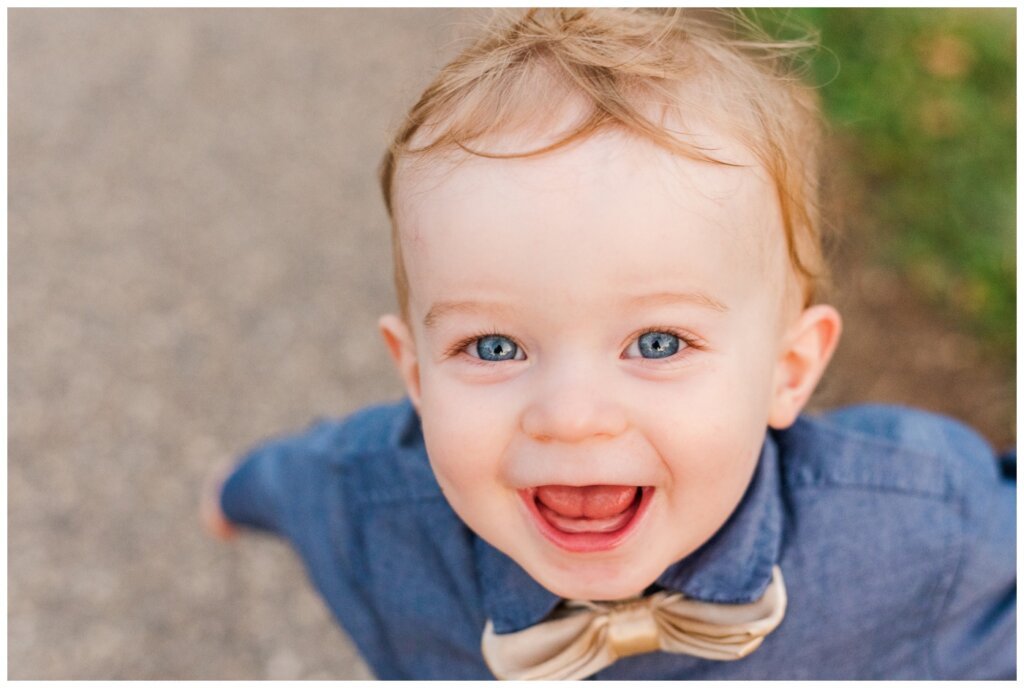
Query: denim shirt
895, 531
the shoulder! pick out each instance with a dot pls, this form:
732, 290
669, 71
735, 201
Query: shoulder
886, 447
377, 452
374, 429
899, 521
380, 453
326, 441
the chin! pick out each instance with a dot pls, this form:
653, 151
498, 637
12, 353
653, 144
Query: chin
595, 583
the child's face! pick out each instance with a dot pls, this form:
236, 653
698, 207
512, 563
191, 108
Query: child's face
609, 314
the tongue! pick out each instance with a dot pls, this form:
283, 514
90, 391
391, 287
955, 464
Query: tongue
589, 501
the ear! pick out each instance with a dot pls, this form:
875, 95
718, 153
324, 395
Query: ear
810, 342
399, 339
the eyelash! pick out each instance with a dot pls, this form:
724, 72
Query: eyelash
689, 340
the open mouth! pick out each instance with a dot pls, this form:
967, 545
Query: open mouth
587, 518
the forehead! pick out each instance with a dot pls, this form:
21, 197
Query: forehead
610, 212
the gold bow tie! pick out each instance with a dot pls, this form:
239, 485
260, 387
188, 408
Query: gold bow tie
586, 637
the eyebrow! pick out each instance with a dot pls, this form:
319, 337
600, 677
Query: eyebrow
668, 298
441, 309
665, 298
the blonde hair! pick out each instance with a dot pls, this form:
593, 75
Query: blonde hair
618, 63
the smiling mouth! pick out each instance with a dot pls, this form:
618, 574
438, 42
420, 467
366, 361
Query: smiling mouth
588, 518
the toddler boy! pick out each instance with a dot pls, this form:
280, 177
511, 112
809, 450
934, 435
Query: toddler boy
607, 258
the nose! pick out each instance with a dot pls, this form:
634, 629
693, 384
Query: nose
572, 407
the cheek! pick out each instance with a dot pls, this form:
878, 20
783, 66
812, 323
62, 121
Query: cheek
466, 432
708, 429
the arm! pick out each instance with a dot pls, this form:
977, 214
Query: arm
255, 491
273, 485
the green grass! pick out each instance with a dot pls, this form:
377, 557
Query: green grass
925, 101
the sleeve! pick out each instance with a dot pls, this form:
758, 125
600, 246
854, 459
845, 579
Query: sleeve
270, 482
975, 636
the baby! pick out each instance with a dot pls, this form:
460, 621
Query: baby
608, 264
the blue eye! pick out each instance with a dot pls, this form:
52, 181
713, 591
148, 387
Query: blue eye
657, 344
496, 348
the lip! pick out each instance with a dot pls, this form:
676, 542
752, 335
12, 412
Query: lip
588, 541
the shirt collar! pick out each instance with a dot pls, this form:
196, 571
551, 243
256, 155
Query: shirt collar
734, 566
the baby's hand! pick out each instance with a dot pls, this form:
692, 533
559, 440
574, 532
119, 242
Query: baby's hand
210, 513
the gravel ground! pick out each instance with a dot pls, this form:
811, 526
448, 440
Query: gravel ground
198, 255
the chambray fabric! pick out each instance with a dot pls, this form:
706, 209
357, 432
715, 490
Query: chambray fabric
894, 529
